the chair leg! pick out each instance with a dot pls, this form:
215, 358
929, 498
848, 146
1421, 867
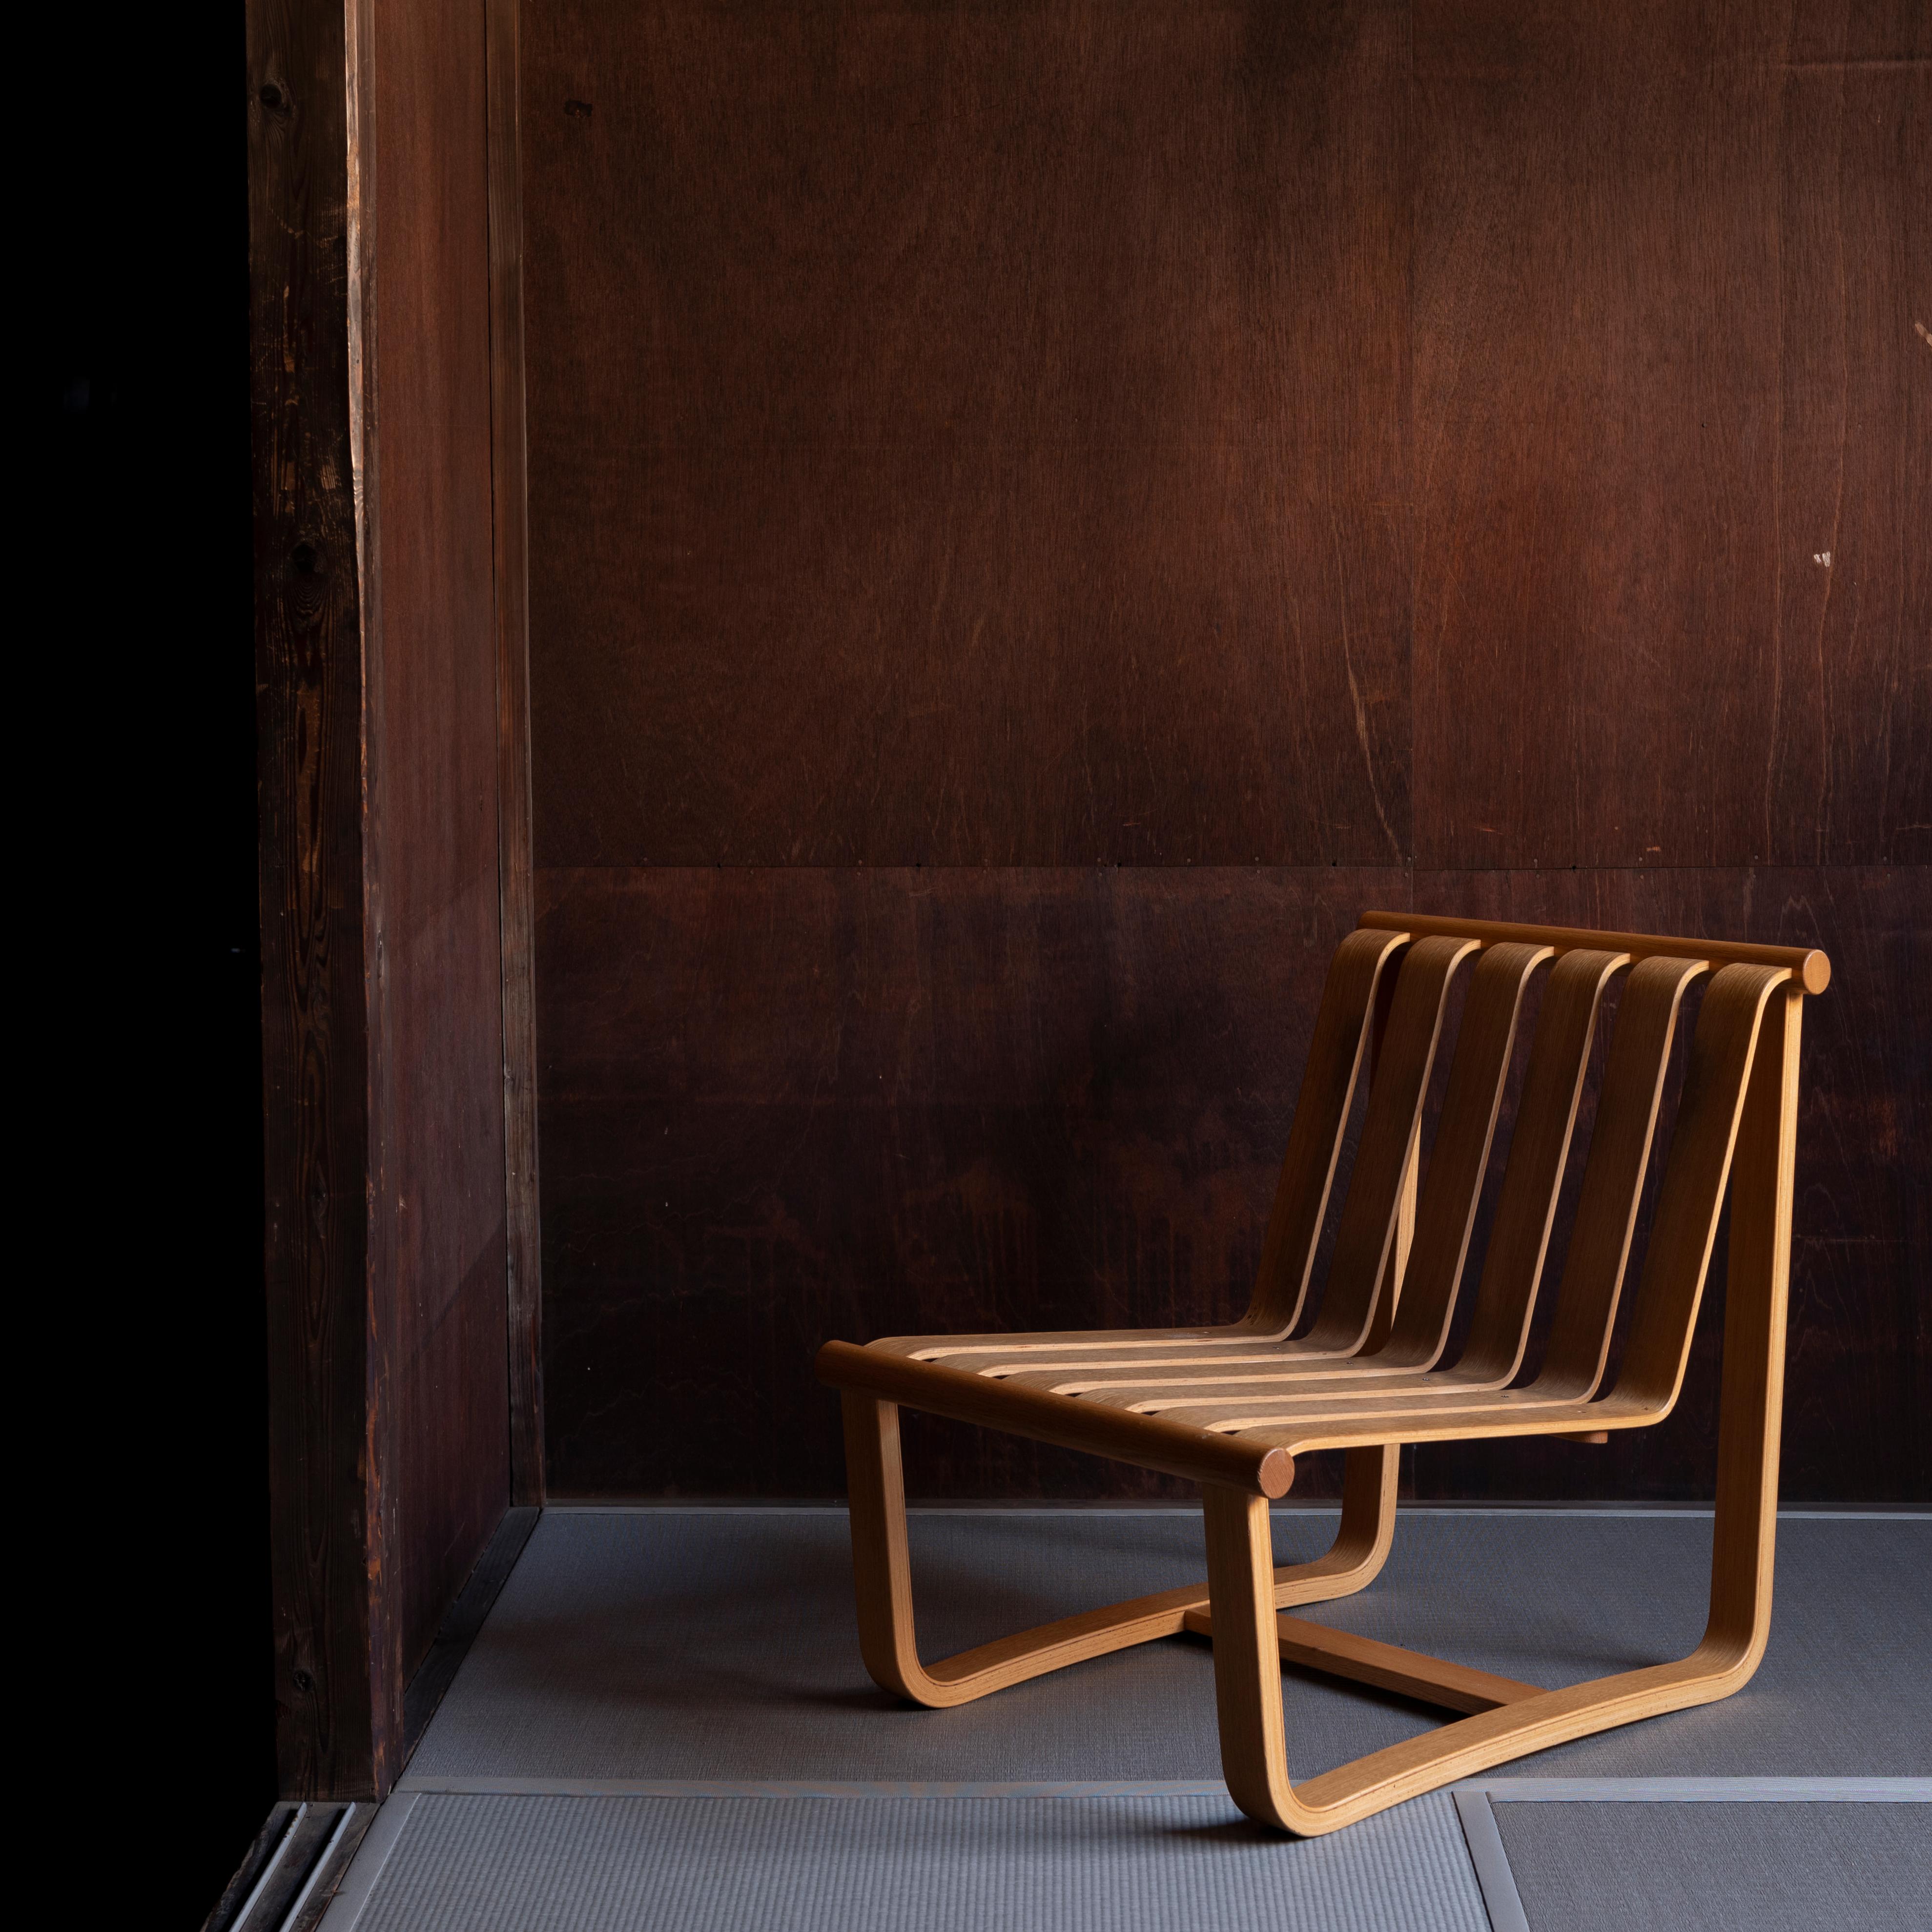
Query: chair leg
882, 1576
1247, 1659
1362, 1543
1247, 1674
881, 1566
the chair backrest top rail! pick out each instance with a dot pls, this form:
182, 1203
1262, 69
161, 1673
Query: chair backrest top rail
1811, 968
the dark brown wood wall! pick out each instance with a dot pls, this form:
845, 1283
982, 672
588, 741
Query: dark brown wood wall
1040, 513
441, 988
382, 988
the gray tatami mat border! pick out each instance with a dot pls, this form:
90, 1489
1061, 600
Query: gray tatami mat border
1504, 1903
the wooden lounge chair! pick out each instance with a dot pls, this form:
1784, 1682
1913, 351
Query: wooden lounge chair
1232, 1407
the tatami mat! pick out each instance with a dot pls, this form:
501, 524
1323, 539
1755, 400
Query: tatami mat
686, 1646
1720, 1867
1085, 1865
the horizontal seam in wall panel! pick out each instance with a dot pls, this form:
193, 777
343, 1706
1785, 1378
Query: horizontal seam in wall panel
1313, 867
839, 1509
1623, 1510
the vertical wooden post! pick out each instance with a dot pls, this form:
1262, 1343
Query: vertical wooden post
380, 782
338, 1688
881, 1562
1247, 1651
1756, 1296
511, 544
1389, 1290
1368, 1526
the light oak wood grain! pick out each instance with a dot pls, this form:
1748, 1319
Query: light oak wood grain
1808, 966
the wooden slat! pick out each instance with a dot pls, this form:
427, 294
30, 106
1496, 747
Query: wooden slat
1443, 1222
1679, 1252
1148, 1441
1454, 1182
1442, 1408
1388, 1292
1756, 1292
1370, 1213
1349, 1006
1091, 1346
1613, 1173
1599, 1245
1668, 1294
1031, 1372
1533, 1176
1806, 965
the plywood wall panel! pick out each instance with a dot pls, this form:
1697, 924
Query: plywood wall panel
784, 1106
1667, 366
1595, 436
967, 436
1851, 773
1030, 438
439, 1196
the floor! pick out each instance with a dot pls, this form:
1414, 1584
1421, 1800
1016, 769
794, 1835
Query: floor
663, 1723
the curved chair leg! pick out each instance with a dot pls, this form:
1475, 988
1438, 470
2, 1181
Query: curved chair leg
1512, 1720
882, 1576
1362, 1542
1249, 1636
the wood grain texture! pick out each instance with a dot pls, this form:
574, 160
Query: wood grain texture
432, 765
1850, 775
791, 1104
1664, 349
382, 994
794, 1104
338, 1692
1175, 1449
967, 437
1372, 1208
508, 470
882, 431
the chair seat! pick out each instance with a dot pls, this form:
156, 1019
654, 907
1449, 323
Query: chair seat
1269, 1393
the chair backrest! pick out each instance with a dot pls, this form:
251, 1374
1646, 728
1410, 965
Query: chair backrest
1387, 993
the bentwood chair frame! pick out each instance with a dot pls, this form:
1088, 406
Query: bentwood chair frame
1231, 1407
